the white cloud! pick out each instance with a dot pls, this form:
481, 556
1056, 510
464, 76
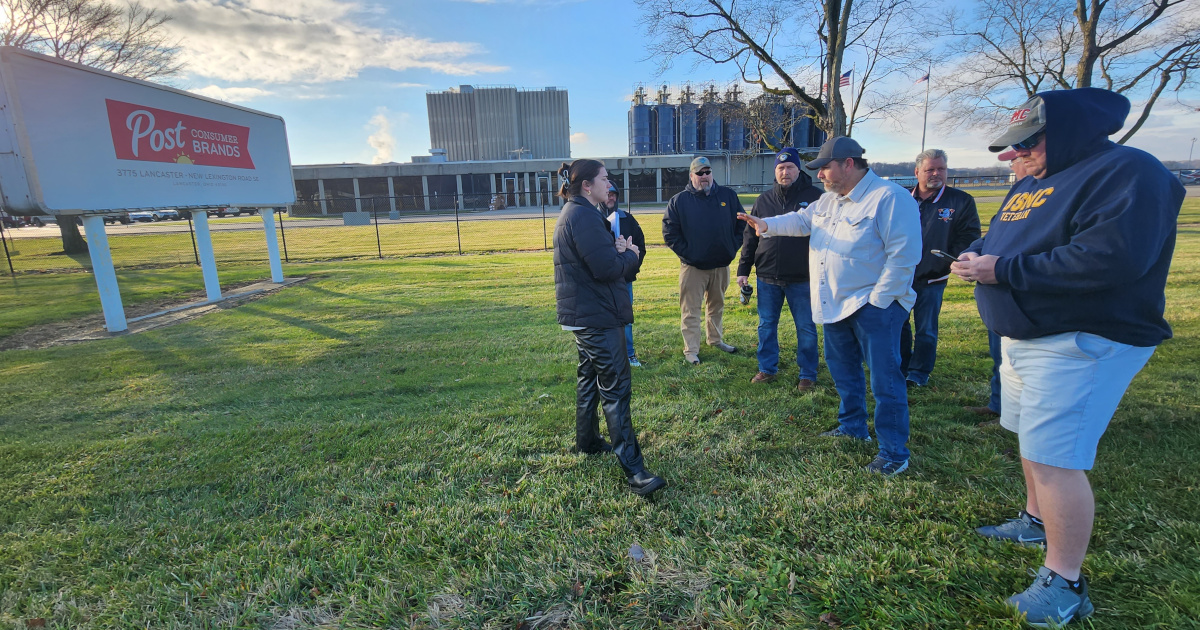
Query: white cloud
579, 137
231, 94
381, 139
407, 85
307, 41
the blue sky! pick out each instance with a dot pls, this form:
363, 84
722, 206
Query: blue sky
350, 77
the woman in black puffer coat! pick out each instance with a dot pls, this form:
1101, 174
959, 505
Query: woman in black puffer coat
590, 266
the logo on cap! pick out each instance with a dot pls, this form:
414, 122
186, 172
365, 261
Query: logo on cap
1019, 115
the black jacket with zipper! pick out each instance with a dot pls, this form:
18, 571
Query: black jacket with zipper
703, 229
950, 223
589, 274
780, 259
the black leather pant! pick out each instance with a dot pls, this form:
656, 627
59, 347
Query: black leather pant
604, 376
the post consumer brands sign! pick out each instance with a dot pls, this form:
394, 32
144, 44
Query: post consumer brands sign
149, 134
78, 140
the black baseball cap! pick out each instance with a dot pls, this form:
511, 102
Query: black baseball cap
838, 148
1026, 121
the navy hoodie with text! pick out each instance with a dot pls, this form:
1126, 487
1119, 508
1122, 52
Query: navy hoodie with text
1086, 248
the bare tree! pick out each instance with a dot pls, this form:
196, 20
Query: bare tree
128, 40
782, 46
1013, 49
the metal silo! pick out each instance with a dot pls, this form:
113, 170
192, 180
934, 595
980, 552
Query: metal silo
798, 135
733, 112
662, 124
771, 112
686, 123
639, 124
709, 124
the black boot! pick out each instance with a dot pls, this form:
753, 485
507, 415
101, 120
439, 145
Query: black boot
646, 483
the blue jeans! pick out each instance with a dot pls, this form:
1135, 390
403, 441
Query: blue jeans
997, 358
629, 328
918, 355
770, 306
873, 334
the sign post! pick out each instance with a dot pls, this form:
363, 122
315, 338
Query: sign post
208, 261
268, 219
106, 276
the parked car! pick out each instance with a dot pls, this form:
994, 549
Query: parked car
146, 216
1189, 177
236, 212
42, 220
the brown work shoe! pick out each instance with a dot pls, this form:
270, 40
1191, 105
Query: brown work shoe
762, 377
806, 385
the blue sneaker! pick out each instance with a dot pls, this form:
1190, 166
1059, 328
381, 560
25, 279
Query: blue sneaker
633, 361
1051, 600
1021, 530
887, 467
838, 432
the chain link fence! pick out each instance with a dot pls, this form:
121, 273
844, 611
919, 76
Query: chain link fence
338, 229
359, 228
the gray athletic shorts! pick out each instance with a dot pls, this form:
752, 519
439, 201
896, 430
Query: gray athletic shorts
1059, 393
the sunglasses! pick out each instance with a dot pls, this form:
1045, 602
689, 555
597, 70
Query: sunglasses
704, 172
1028, 143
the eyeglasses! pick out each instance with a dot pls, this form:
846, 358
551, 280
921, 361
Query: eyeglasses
704, 172
1028, 143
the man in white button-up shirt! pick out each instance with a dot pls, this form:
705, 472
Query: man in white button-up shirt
865, 243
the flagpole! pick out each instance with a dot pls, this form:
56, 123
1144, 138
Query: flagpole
925, 119
854, 105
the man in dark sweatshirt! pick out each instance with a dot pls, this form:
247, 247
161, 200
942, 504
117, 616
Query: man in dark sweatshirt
1072, 276
701, 227
781, 265
949, 223
623, 224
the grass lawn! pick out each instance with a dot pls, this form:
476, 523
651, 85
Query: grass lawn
387, 446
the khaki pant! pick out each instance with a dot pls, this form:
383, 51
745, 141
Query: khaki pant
696, 285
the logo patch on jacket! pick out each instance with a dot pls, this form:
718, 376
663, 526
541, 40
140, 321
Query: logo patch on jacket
945, 214
722, 204
1019, 206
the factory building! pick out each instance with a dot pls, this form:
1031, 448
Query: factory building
440, 186
717, 123
499, 123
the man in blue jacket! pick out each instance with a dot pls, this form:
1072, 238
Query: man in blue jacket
701, 227
1072, 276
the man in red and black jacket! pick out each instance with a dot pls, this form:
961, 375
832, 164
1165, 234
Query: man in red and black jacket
781, 264
949, 223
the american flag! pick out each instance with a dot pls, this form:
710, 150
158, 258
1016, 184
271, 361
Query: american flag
846, 78
922, 79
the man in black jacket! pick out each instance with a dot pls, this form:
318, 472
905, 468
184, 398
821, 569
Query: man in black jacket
623, 224
949, 223
781, 265
701, 227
